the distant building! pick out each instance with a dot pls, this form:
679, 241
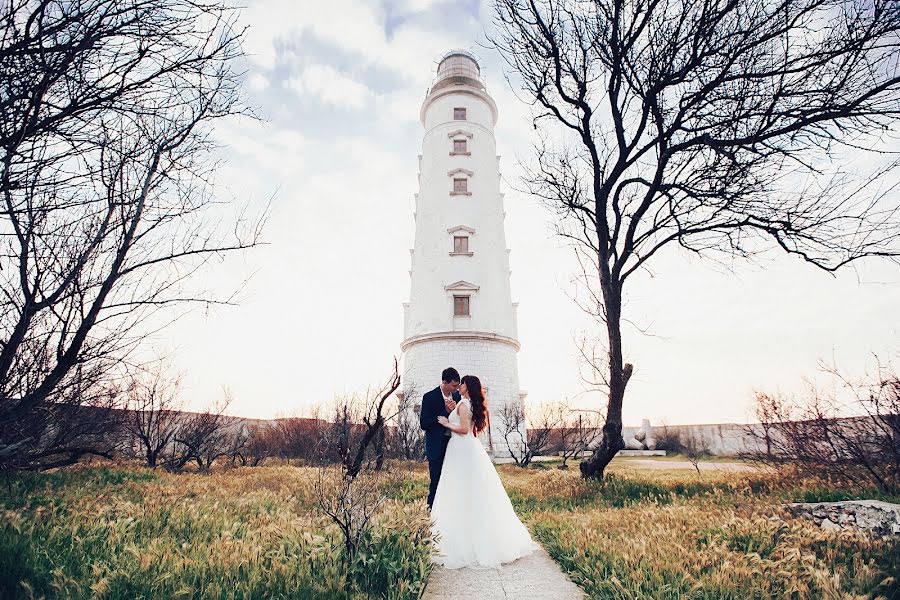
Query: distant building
460, 312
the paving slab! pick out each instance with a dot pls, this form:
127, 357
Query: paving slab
533, 577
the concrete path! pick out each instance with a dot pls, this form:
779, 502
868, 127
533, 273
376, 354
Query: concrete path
534, 577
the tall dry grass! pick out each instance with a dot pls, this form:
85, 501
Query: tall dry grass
241, 533
670, 535
256, 533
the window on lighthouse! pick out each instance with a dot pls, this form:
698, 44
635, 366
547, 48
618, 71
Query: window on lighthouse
460, 146
459, 114
460, 185
461, 306
460, 244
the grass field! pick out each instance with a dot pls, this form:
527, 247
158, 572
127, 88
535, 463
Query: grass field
242, 533
670, 534
122, 532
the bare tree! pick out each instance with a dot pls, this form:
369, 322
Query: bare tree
248, 444
202, 437
511, 427
351, 492
86, 420
106, 197
851, 433
300, 437
695, 449
718, 127
341, 435
768, 413
237, 441
153, 414
374, 420
355, 436
577, 430
536, 439
350, 501
668, 439
410, 437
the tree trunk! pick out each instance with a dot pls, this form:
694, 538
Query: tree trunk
379, 449
619, 374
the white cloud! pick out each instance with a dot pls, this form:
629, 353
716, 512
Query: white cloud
357, 28
330, 87
418, 5
347, 24
325, 313
258, 82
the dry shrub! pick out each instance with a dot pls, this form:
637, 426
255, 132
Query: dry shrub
851, 433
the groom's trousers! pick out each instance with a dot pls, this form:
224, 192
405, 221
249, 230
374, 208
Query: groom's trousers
435, 464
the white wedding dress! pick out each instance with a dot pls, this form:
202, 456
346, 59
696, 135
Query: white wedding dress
474, 521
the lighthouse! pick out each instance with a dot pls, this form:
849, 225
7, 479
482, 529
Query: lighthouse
460, 311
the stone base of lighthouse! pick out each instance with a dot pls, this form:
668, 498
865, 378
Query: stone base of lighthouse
489, 357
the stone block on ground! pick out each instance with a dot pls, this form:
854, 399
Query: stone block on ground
877, 518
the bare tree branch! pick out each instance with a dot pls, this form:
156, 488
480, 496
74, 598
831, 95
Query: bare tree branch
107, 209
722, 128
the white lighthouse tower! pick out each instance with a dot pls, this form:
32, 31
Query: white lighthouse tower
460, 312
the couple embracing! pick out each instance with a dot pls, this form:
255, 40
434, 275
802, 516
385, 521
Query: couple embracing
473, 519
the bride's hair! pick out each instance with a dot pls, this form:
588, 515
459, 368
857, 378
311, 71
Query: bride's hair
479, 406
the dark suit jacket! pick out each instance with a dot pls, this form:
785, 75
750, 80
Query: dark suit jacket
436, 437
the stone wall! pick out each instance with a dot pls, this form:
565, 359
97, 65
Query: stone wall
719, 439
725, 439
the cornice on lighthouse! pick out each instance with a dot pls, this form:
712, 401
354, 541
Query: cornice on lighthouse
468, 230
462, 286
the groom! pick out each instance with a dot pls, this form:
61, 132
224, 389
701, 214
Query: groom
439, 402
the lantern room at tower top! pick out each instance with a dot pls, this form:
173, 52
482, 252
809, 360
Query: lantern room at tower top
458, 67
458, 72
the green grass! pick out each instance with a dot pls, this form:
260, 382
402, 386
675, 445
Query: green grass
834, 494
128, 533
673, 535
245, 533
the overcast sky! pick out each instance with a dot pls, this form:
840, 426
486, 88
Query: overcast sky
340, 84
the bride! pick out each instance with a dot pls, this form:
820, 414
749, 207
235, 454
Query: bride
474, 521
